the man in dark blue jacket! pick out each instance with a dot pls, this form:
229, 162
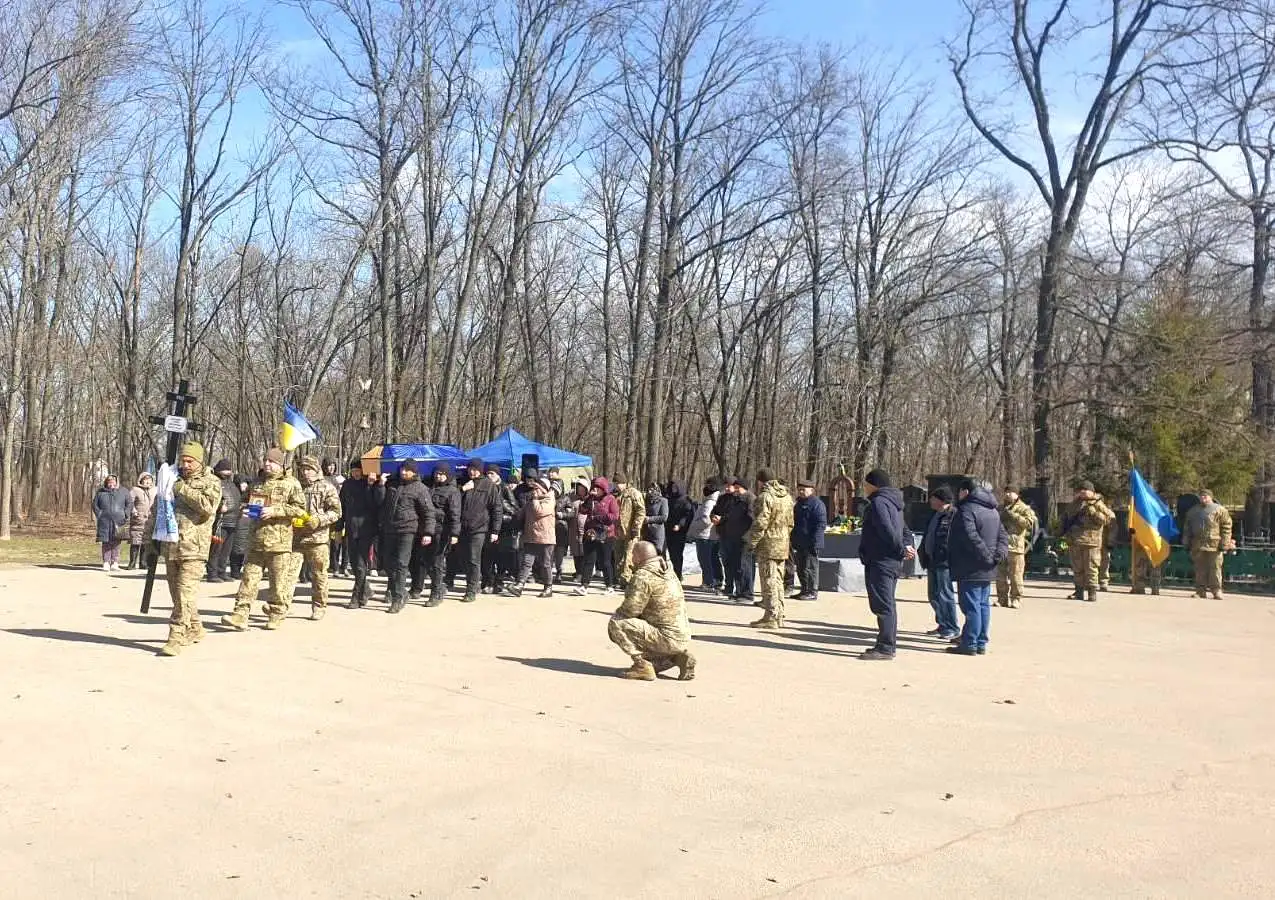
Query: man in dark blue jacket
933, 554
810, 520
977, 544
883, 545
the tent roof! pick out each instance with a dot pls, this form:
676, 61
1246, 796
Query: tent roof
509, 446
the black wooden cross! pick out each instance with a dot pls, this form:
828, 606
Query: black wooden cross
177, 425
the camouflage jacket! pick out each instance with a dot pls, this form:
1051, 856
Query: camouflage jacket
1207, 528
1019, 520
632, 514
323, 510
195, 503
282, 494
770, 535
655, 596
1084, 524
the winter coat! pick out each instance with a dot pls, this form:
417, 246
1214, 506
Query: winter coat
977, 542
228, 510
195, 503
142, 500
360, 509
446, 497
681, 513
1207, 528
602, 514
111, 509
480, 507
323, 510
571, 508
243, 533
510, 520
1084, 525
702, 527
632, 514
1019, 520
810, 521
736, 511
656, 517
408, 508
933, 549
770, 535
884, 538
539, 520
283, 496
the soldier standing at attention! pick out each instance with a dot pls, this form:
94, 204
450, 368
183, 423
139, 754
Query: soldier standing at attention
651, 625
1019, 520
1083, 529
311, 537
273, 503
1207, 534
629, 531
196, 496
1141, 572
770, 540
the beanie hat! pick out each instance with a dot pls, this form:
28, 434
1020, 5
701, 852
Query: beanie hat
274, 455
355, 463
443, 469
943, 492
765, 476
619, 478
1085, 486
967, 484
408, 465
806, 483
309, 462
878, 478
530, 474
488, 468
223, 465
194, 450
477, 465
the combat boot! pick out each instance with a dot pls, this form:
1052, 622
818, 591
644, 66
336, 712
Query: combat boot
1217, 595
1090, 595
685, 666
397, 604
195, 633
1155, 592
317, 614
436, 595
766, 623
513, 590
547, 592
1137, 590
273, 623
176, 641
470, 596
641, 670
237, 620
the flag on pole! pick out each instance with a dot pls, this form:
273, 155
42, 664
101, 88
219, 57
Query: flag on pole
1150, 520
296, 429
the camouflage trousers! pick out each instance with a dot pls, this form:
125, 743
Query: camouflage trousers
319, 557
624, 559
770, 573
1084, 567
279, 565
1208, 572
1009, 579
642, 640
1104, 566
183, 586
1141, 572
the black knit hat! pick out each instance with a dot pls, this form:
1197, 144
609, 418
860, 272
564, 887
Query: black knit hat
223, 465
445, 469
765, 476
1085, 486
942, 492
878, 478
409, 465
355, 463
477, 465
530, 474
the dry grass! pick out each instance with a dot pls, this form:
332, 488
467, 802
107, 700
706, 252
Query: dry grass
68, 541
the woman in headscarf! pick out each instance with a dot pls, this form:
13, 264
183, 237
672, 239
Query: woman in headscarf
141, 499
110, 511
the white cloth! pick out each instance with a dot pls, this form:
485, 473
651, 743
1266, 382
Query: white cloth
165, 513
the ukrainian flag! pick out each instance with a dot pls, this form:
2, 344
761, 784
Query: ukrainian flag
1150, 520
295, 430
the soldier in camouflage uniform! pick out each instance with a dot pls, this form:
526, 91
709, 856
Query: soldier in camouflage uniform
1207, 534
1020, 522
196, 497
312, 537
770, 540
651, 625
273, 504
1083, 530
1141, 572
1104, 558
629, 530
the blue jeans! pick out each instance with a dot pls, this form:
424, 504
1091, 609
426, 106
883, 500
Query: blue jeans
942, 599
710, 562
977, 606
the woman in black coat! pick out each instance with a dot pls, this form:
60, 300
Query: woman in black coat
681, 512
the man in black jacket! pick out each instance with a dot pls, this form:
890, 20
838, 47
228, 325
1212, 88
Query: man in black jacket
360, 501
446, 497
933, 555
884, 543
978, 543
227, 519
480, 514
733, 516
407, 521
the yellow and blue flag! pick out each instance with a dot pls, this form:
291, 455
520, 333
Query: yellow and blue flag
1150, 520
296, 429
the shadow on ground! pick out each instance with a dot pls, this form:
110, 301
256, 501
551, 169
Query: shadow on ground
570, 666
81, 637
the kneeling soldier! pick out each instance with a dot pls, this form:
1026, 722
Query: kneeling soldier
651, 625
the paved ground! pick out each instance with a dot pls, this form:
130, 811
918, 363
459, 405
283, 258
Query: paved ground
1123, 749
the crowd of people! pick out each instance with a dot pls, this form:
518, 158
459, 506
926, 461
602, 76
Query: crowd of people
499, 534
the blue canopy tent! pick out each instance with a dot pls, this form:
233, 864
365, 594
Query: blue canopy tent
386, 458
509, 447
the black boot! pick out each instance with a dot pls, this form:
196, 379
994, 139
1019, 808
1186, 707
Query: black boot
397, 604
134, 551
436, 595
